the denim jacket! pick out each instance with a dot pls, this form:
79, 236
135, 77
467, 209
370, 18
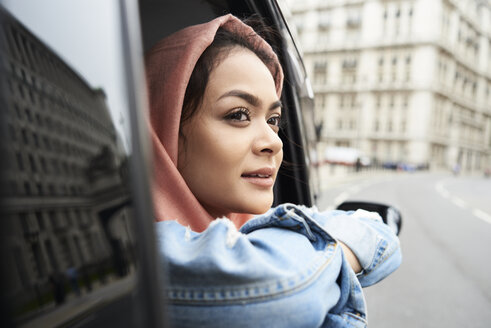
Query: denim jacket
284, 268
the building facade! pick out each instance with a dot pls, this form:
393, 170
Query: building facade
401, 80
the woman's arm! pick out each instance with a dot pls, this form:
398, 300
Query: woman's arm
351, 258
281, 269
369, 240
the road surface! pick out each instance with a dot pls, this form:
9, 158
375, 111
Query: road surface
445, 278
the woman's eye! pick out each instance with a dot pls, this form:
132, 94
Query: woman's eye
275, 120
240, 115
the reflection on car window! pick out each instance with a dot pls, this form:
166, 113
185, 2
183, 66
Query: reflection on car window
66, 206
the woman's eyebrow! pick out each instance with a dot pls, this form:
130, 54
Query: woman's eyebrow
251, 99
275, 105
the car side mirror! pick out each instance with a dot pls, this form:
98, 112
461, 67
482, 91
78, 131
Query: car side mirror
390, 215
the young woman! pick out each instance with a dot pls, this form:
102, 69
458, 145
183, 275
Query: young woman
215, 93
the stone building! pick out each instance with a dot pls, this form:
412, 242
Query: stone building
402, 80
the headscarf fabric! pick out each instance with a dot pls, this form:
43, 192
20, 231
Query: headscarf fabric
169, 65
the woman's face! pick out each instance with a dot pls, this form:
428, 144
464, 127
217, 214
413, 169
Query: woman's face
230, 151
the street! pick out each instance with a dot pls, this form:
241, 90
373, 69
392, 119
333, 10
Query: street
444, 280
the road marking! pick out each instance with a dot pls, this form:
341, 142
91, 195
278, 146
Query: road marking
355, 189
341, 198
441, 190
459, 202
439, 187
352, 190
482, 215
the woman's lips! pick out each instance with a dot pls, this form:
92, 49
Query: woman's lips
262, 177
259, 181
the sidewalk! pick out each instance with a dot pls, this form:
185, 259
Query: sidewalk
332, 176
337, 175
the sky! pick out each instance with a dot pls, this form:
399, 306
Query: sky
84, 33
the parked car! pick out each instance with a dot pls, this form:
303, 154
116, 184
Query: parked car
76, 232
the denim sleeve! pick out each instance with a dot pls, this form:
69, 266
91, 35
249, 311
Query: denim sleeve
281, 269
373, 242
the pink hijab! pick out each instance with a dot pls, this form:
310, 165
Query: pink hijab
169, 65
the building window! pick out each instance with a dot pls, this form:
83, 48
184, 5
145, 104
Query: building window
323, 39
25, 137
323, 29
408, 68
324, 22
320, 101
394, 68
349, 70
320, 72
386, 16
352, 124
353, 23
397, 27
380, 69
20, 161
405, 101
353, 101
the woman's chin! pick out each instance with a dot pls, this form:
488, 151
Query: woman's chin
254, 204
260, 208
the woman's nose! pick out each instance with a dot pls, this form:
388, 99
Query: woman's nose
267, 141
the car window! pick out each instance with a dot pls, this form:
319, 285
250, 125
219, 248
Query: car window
68, 206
